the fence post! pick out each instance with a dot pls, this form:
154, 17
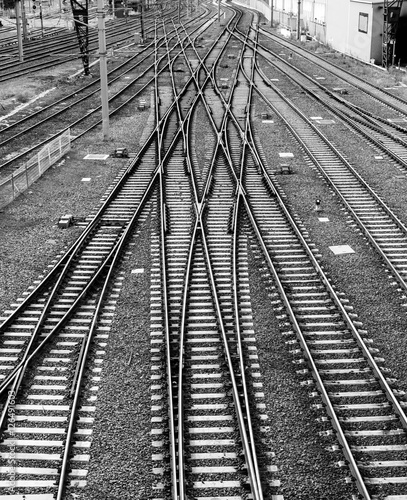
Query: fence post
12, 184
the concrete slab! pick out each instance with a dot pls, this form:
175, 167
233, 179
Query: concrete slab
92, 156
341, 249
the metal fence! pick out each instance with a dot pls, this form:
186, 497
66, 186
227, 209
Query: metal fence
22, 178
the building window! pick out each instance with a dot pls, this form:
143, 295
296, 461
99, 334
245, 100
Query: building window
363, 18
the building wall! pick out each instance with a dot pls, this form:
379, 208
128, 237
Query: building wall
353, 27
363, 23
314, 18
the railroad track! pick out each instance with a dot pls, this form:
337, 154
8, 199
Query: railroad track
388, 136
206, 411
366, 413
345, 369
138, 73
61, 48
210, 418
346, 79
380, 225
57, 333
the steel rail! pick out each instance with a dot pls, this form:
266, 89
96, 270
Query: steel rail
315, 373
112, 32
370, 359
159, 152
203, 197
162, 160
226, 105
356, 334
363, 84
248, 444
86, 343
199, 229
349, 321
369, 119
75, 248
177, 452
18, 371
77, 245
35, 67
307, 354
256, 487
235, 265
83, 118
72, 94
180, 415
376, 197
358, 109
200, 205
43, 316
100, 270
192, 105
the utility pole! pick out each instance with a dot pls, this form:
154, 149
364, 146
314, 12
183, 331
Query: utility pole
391, 15
42, 20
19, 37
24, 20
271, 13
103, 69
299, 20
142, 21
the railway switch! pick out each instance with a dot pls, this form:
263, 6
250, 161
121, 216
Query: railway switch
285, 168
121, 153
65, 221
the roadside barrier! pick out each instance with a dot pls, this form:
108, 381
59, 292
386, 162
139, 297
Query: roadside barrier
21, 179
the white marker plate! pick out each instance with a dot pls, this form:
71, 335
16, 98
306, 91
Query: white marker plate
137, 271
96, 157
323, 219
341, 249
286, 155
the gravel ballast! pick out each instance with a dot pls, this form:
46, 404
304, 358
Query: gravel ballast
121, 451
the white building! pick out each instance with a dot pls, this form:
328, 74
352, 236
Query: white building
354, 27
